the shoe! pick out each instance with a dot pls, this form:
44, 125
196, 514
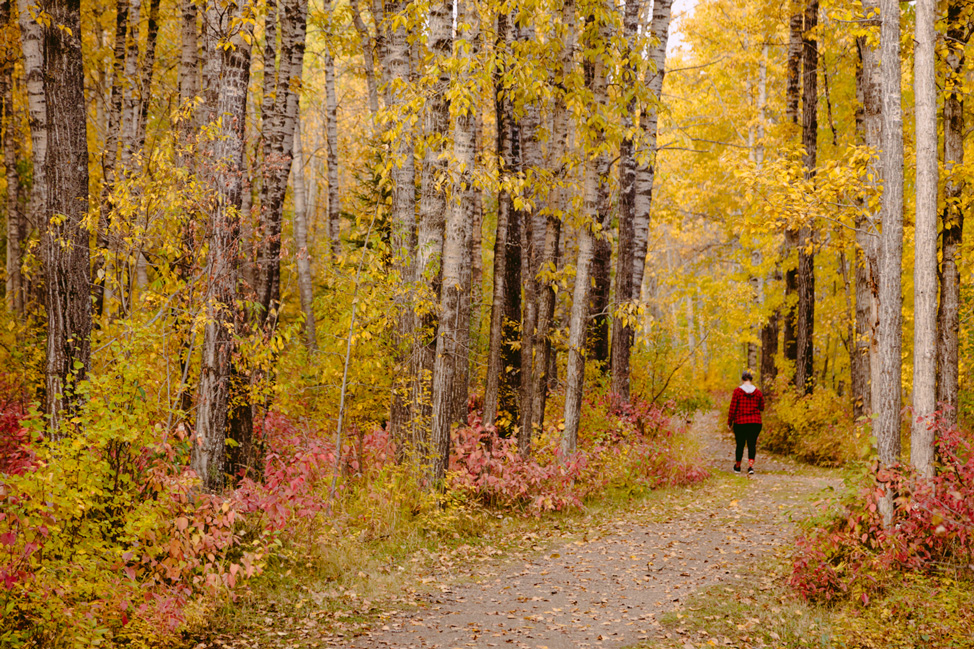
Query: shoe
737, 470
750, 470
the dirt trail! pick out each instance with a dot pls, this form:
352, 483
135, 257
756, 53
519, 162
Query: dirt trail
608, 590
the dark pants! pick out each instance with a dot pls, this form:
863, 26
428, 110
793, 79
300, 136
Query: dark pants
746, 434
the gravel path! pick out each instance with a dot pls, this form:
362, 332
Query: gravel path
607, 590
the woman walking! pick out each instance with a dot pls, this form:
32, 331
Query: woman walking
744, 416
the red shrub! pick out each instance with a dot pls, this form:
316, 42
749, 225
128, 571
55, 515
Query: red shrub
932, 529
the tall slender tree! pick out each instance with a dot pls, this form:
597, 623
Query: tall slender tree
794, 89
646, 149
557, 203
451, 353
225, 101
8, 125
331, 141
622, 329
394, 54
959, 27
887, 424
303, 252
805, 329
503, 359
865, 364
596, 177
925, 238
64, 238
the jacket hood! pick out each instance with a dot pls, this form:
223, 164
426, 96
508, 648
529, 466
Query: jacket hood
749, 387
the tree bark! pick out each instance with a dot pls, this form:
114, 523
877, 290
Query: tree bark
925, 239
129, 85
887, 424
598, 334
64, 238
646, 154
432, 211
622, 329
449, 375
804, 334
278, 138
100, 271
303, 254
14, 283
769, 330
503, 362
557, 200
32, 47
334, 188
227, 99
948, 316
865, 365
147, 74
532, 236
792, 97
395, 57
596, 176
368, 59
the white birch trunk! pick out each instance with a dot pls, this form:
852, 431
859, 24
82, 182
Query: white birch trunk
303, 254
32, 46
925, 264
334, 189
646, 152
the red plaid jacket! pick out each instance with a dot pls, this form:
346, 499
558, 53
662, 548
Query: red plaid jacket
745, 408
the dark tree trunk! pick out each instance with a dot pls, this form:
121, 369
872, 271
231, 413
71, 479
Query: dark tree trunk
805, 362
9, 117
64, 241
228, 98
278, 139
622, 329
792, 99
504, 362
598, 331
948, 316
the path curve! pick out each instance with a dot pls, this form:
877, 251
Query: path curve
608, 592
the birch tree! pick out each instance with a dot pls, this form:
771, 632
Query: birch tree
794, 88
558, 199
646, 150
331, 131
302, 252
226, 103
451, 353
887, 424
622, 331
503, 362
283, 63
395, 59
865, 363
925, 238
596, 176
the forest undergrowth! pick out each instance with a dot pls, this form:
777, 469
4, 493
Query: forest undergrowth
108, 542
